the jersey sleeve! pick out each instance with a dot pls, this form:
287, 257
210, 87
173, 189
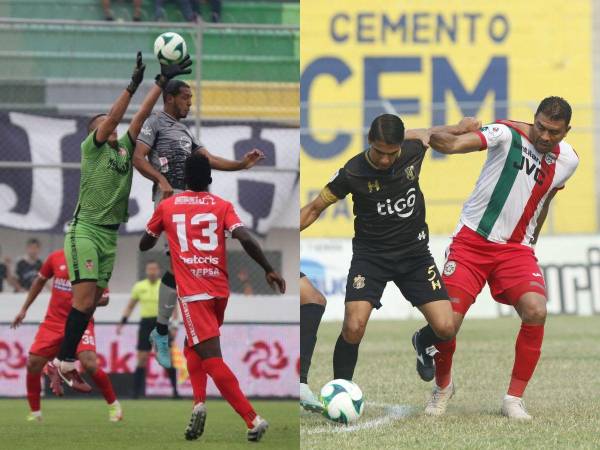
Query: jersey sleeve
155, 226
494, 135
135, 291
47, 270
232, 220
149, 131
337, 188
88, 146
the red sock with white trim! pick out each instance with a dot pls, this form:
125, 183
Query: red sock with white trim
105, 386
34, 389
229, 388
527, 353
443, 362
197, 374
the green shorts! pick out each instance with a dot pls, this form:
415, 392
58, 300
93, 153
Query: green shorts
90, 251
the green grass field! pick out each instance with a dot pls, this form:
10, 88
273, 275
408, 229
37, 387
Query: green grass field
147, 424
563, 396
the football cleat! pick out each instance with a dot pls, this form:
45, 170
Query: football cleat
309, 401
425, 361
196, 426
513, 408
55, 380
259, 429
34, 416
437, 404
66, 371
115, 413
161, 347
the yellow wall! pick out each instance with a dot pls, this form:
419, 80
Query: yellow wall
544, 45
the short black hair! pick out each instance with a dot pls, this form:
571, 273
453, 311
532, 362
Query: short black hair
197, 172
556, 108
33, 241
387, 128
173, 87
92, 120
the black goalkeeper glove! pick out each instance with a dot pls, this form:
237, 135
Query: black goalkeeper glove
138, 74
172, 70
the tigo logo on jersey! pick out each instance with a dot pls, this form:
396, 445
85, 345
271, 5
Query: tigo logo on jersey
359, 282
449, 268
400, 206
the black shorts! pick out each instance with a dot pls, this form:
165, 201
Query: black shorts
417, 277
147, 324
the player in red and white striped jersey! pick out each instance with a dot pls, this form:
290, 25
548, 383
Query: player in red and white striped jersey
500, 222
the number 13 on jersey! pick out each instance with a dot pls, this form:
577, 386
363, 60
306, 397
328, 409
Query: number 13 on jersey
205, 223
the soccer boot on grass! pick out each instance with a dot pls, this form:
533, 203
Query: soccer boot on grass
513, 408
161, 347
308, 400
67, 373
425, 362
115, 413
55, 380
34, 416
437, 404
260, 428
196, 426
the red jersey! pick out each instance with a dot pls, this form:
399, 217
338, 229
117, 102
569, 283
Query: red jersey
59, 305
195, 224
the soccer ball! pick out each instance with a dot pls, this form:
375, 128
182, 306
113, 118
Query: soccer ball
170, 48
343, 401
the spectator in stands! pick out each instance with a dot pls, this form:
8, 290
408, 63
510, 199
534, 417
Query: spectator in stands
190, 9
28, 267
137, 10
4, 271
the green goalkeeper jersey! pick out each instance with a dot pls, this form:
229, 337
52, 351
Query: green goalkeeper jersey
105, 183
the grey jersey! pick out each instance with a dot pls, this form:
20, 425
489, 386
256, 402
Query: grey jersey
170, 144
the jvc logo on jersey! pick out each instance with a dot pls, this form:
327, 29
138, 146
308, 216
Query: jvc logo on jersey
530, 168
400, 207
200, 260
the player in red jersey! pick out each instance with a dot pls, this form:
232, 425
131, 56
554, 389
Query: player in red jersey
51, 333
196, 222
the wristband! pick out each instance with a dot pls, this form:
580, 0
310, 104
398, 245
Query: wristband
124, 320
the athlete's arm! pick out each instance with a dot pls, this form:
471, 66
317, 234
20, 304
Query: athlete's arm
542, 217
147, 242
36, 288
249, 160
253, 249
466, 125
147, 105
311, 211
141, 163
450, 144
127, 312
118, 109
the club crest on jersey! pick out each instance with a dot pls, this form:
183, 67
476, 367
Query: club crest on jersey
410, 172
89, 264
373, 186
359, 282
449, 268
549, 158
122, 151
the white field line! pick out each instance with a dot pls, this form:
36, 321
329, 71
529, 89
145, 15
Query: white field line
391, 413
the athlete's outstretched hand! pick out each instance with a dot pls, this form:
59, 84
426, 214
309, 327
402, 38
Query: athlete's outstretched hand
165, 189
18, 320
138, 74
275, 281
468, 124
252, 157
172, 70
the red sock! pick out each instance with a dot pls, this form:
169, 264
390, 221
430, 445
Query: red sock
527, 353
34, 389
443, 362
105, 386
229, 388
197, 374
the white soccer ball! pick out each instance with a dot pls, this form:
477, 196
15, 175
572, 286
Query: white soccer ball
170, 48
343, 401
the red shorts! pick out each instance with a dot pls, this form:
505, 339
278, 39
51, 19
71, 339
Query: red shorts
50, 335
202, 319
472, 260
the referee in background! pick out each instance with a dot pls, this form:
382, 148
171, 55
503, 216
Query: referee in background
145, 292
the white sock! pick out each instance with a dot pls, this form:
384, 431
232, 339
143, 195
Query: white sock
511, 397
198, 405
36, 413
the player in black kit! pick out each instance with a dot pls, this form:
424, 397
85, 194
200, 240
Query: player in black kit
390, 238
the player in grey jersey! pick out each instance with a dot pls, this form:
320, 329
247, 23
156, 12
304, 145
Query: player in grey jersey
162, 147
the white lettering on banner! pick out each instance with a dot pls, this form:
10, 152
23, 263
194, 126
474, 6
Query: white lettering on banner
263, 357
47, 184
570, 267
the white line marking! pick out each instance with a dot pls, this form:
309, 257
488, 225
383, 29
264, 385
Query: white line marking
391, 413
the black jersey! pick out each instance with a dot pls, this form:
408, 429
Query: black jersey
389, 207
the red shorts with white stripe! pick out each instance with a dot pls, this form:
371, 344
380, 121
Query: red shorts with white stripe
202, 319
472, 260
50, 335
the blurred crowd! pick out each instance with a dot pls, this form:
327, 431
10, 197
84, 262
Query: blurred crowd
190, 9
